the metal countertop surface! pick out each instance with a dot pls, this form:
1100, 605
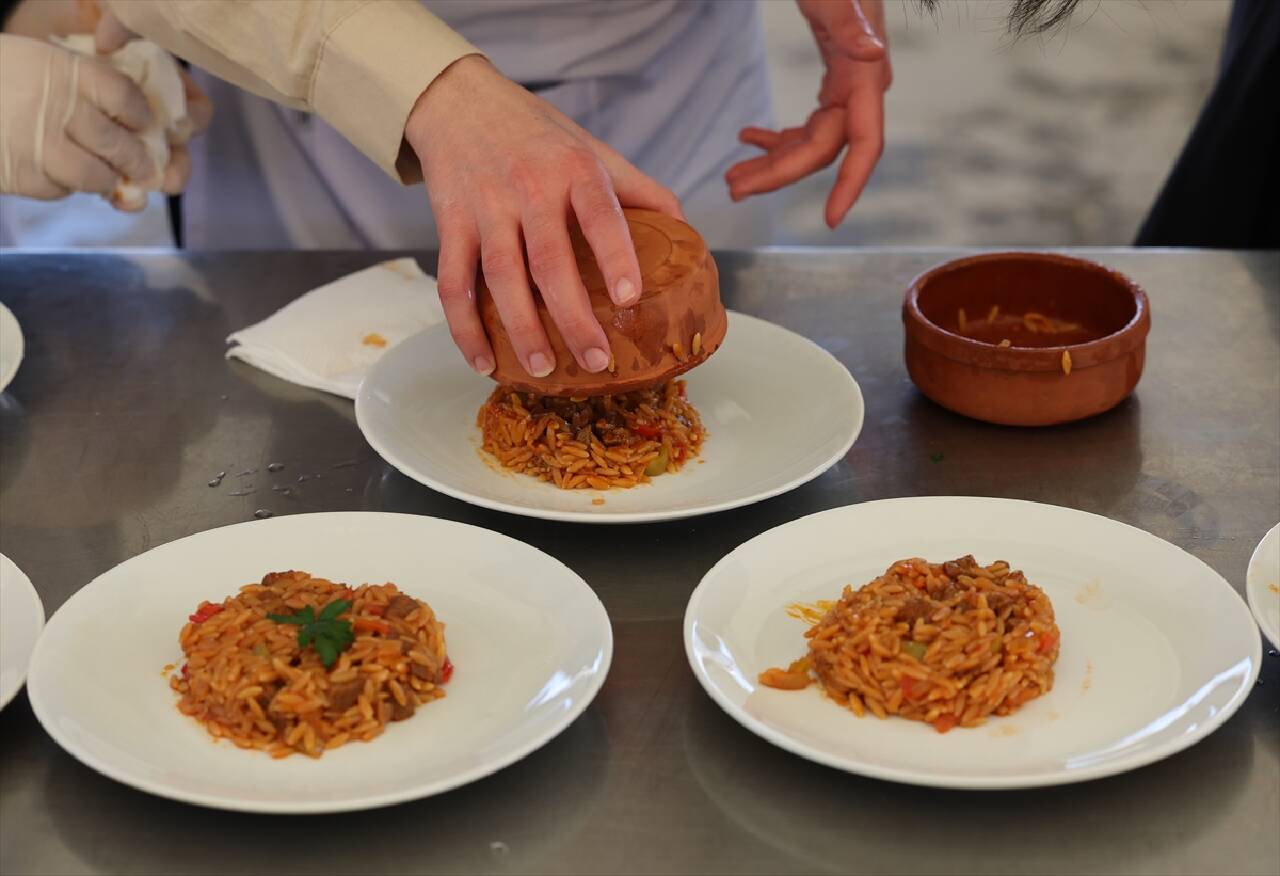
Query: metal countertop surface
124, 407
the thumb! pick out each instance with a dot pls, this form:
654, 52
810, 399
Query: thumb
110, 35
842, 26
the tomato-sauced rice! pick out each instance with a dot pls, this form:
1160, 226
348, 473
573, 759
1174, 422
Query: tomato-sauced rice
949, 644
592, 443
246, 678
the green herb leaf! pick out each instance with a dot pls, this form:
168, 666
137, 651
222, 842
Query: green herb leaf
333, 609
300, 617
327, 650
327, 634
937, 457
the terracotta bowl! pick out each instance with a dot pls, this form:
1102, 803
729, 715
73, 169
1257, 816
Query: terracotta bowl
678, 322
1079, 353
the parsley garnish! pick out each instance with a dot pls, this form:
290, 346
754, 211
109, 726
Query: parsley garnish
937, 457
329, 635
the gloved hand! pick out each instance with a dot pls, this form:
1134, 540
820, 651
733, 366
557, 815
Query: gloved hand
68, 123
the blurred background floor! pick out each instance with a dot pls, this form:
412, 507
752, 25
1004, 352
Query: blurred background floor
1061, 140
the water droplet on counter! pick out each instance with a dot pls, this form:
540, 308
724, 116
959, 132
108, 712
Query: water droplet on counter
263, 514
216, 480
247, 491
499, 848
284, 491
346, 463
247, 472
223, 397
1272, 652
275, 466
301, 478
349, 490
317, 476
1259, 682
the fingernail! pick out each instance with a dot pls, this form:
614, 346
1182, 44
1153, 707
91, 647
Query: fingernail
867, 42
483, 365
596, 359
540, 365
625, 292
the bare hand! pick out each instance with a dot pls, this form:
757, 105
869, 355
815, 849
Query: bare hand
506, 172
852, 40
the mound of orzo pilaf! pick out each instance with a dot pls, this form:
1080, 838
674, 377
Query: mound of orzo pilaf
595, 443
297, 663
949, 644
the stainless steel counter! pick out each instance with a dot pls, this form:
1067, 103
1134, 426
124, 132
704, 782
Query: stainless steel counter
124, 408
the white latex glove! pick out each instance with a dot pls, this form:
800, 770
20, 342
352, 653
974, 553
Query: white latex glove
160, 78
68, 123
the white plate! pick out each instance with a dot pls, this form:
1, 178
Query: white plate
530, 640
779, 411
1143, 672
21, 619
11, 346
1262, 585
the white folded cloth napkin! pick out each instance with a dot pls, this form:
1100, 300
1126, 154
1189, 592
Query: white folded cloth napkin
157, 75
330, 337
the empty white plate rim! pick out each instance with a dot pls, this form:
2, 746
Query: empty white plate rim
530, 641
774, 422
735, 626
1264, 574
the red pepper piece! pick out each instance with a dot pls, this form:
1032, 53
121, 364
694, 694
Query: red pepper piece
204, 612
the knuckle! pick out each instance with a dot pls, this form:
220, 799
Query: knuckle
547, 264
582, 160
601, 209
452, 288
529, 182
523, 329
577, 330
500, 264
464, 336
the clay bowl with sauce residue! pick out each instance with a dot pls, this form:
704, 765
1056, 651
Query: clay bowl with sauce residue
1025, 339
676, 324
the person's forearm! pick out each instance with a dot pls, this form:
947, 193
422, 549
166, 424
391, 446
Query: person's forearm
360, 65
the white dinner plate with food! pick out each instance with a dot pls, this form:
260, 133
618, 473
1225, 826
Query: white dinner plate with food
526, 645
21, 619
777, 410
1139, 674
1262, 585
11, 346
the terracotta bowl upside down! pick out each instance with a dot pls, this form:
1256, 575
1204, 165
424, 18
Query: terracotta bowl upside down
676, 324
999, 367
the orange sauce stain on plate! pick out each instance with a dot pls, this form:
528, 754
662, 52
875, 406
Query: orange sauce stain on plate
810, 612
373, 339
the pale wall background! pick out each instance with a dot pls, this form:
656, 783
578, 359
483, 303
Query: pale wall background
1062, 140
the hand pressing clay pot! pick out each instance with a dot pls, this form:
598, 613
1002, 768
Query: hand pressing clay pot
675, 325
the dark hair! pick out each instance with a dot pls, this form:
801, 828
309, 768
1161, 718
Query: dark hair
1026, 17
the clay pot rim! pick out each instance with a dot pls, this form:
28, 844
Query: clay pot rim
967, 350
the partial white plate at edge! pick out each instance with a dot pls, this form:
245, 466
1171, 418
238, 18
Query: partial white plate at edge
775, 420
1262, 585
1141, 675
530, 641
11, 346
21, 619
